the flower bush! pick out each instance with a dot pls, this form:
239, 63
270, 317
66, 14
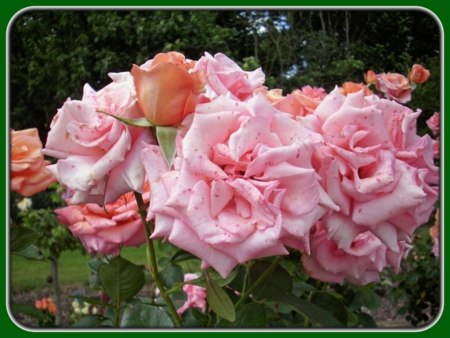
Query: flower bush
203, 156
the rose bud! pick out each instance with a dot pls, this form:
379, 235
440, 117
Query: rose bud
371, 77
165, 88
419, 74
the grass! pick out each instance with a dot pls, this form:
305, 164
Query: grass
27, 275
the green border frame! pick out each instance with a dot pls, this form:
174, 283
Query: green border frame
11, 8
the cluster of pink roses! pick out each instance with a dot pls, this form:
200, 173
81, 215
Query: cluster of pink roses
342, 177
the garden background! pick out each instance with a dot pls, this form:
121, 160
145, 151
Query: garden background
53, 53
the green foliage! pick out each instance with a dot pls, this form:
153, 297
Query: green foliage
51, 234
121, 279
144, 315
218, 299
418, 285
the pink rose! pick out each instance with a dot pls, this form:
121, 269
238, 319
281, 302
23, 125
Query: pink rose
99, 156
436, 149
196, 295
359, 264
394, 86
28, 172
243, 184
105, 229
225, 77
314, 92
434, 123
375, 168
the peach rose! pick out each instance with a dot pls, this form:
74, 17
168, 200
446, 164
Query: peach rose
419, 74
352, 87
394, 86
28, 172
434, 233
167, 89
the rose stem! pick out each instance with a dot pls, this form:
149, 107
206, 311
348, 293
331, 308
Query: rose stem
258, 281
151, 259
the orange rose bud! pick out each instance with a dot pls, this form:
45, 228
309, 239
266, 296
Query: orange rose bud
419, 74
38, 304
166, 91
52, 308
352, 87
371, 77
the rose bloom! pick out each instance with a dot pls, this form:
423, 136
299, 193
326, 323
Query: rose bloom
106, 229
196, 295
352, 87
298, 103
359, 264
167, 88
314, 92
28, 172
394, 86
242, 186
375, 167
370, 76
434, 123
99, 156
419, 74
225, 77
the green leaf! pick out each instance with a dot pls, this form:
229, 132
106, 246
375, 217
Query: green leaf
221, 281
166, 139
181, 256
249, 315
31, 252
27, 309
279, 282
93, 301
370, 299
218, 300
314, 313
171, 275
303, 287
238, 282
89, 321
139, 122
21, 238
366, 320
94, 263
121, 278
144, 315
330, 304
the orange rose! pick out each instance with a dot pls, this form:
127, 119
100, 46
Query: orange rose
419, 74
371, 77
28, 172
165, 88
38, 304
352, 87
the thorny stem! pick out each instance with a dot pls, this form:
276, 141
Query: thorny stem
151, 259
258, 281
